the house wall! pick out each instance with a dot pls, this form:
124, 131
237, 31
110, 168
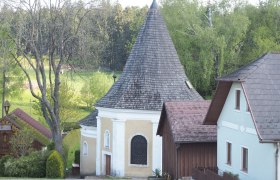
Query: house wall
168, 151
88, 161
124, 124
237, 127
143, 128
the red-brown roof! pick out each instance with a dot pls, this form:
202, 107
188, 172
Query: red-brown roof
186, 121
35, 124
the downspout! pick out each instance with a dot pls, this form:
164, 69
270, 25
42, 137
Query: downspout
277, 161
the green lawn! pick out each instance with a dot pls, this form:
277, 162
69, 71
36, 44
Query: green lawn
72, 141
76, 80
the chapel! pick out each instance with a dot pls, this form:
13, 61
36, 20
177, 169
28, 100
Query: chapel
126, 125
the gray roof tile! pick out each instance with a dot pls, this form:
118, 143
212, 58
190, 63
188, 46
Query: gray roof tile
153, 72
90, 120
261, 80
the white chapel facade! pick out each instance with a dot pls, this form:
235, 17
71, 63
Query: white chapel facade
128, 115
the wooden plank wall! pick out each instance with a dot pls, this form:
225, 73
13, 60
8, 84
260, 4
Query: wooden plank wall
192, 155
168, 151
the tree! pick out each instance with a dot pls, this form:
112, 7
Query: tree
45, 38
97, 86
208, 39
21, 142
11, 78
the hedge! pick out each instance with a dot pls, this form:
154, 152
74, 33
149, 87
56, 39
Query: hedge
33, 165
3, 161
55, 166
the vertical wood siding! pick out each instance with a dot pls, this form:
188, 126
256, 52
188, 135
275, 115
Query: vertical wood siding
190, 155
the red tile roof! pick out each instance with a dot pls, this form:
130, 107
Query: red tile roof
186, 121
35, 124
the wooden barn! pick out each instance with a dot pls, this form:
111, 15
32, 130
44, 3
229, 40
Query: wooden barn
186, 143
14, 122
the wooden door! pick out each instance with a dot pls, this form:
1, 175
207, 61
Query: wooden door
108, 165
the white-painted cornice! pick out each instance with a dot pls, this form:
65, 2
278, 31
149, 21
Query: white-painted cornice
128, 114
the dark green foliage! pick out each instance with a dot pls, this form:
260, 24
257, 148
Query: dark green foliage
51, 146
3, 160
33, 165
69, 126
77, 157
55, 166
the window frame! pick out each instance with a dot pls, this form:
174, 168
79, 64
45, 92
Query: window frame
229, 153
237, 99
244, 164
85, 148
145, 161
107, 139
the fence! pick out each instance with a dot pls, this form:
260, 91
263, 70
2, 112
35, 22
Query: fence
211, 174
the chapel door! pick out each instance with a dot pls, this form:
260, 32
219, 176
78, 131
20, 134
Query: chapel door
108, 165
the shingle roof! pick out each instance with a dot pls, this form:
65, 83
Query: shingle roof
32, 122
153, 72
261, 83
186, 121
90, 120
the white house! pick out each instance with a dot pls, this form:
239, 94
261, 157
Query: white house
128, 115
246, 109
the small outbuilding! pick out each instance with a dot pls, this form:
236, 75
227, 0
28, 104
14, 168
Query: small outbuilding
186, 142
14, 122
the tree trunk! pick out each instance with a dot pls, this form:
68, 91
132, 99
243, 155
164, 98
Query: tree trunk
57, 138
4, 92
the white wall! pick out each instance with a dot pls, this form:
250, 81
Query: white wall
119, 118
237, 128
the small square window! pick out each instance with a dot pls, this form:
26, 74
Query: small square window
237, 100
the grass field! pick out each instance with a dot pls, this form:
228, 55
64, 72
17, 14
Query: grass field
25, 101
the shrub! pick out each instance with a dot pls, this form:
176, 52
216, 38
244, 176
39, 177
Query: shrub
51, 146
55, 166
69, 126
3, 161
33, 165
77, 157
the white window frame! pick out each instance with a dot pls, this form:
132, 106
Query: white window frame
235, 100
85, 148
107, 139
228, 142
241, 165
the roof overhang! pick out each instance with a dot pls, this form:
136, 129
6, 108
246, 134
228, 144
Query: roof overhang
218, 102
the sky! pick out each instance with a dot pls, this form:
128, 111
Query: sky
142, 3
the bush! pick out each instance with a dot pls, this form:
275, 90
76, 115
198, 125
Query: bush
69, 126
33, 165
77, 157
55, 166
51, 146
3, 161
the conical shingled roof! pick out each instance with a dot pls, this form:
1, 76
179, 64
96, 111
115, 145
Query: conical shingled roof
153, 72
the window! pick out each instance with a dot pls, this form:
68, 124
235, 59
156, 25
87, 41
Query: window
237, 100
85, 148
248, 108
138, 150
107, 139
244, 159
228, 153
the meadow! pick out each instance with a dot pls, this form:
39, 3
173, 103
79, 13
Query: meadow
76, 80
